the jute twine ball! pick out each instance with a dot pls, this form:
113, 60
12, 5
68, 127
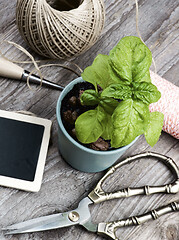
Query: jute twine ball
60, 34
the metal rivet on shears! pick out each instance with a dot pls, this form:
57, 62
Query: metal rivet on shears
74, 216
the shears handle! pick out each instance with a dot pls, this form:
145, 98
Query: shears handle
109, 229
98, 195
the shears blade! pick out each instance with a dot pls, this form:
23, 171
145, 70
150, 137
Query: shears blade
40, 224
53, 221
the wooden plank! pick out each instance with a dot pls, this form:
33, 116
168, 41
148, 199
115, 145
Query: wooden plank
63, 187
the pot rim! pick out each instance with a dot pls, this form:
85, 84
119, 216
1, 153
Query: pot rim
60, 124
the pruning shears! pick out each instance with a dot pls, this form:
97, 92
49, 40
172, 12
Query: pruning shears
82, 215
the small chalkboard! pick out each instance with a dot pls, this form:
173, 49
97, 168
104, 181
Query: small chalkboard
23, 148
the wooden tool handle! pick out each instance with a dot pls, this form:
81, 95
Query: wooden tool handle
10, 70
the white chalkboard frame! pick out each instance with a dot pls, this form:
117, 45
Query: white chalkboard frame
32, 186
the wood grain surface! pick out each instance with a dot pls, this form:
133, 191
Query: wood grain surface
62, 186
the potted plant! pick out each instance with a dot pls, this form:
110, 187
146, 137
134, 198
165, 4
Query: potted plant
119, 107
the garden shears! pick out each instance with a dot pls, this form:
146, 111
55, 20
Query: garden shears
82, 215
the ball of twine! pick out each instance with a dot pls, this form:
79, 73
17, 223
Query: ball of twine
60, 34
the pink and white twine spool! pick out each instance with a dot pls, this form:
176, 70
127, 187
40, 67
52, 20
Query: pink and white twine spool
168, 104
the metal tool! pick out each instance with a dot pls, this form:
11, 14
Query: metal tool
82, 216
13, 71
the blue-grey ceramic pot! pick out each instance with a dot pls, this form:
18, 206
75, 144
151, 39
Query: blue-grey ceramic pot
78, 156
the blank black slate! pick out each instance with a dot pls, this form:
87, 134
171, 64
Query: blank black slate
20, 144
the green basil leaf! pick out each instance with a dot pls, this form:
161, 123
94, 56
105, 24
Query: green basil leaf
115, 77
154, 128
146, 92
89, 97
108, 104
118, 91
89, 126
130, 60
108, 128
129, 120
98, 72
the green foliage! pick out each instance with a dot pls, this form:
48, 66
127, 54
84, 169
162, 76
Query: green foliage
98, 72
146, 92
130, 60
108, 104
118, 91
129, 119
90, 125
108, 129
90, 97
154, 128
123, 75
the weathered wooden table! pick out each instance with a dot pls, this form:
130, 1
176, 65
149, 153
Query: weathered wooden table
63, 187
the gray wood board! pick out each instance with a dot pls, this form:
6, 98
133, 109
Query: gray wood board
63, 187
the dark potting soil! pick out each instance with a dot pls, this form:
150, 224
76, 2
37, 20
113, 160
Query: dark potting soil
71, 109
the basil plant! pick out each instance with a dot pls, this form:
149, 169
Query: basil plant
122, 106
